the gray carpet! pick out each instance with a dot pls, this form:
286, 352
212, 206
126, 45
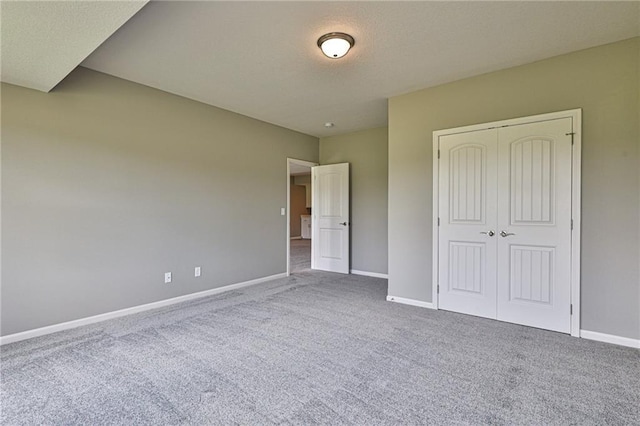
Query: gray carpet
315, 348
300, 255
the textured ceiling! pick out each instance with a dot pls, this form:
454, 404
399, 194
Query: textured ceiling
260, 58
42, 41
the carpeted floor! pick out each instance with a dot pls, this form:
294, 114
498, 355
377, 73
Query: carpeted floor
300, 255
315, 348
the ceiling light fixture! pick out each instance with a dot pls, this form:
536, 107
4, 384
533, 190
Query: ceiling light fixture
328, 124
335, 45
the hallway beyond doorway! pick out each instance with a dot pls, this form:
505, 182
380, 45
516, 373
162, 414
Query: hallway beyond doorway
300, 255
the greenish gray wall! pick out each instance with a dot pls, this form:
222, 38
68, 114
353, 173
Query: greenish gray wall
107, 184
302, 179
603, 81
367, 152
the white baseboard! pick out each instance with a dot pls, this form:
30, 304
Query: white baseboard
411, 302
610, 338
369, 274
10, 338
296, 238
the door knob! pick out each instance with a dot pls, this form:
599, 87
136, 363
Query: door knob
490, 233
343, 223
506, 234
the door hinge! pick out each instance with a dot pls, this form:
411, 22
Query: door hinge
571, 309
572, 224
438, 289
438, 154
571, 133
438, 221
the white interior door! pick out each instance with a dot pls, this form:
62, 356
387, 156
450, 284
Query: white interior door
504, 208
534, 220
330, 225
468, 203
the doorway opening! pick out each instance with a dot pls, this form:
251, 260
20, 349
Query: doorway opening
299, 222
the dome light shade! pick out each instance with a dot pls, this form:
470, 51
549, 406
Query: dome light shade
335, 45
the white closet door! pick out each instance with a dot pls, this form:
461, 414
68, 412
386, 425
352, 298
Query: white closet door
467, 212
534, 224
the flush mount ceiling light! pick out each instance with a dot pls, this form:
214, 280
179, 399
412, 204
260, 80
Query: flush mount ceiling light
335, 45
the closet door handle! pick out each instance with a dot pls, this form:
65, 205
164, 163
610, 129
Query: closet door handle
490, 233
506, 234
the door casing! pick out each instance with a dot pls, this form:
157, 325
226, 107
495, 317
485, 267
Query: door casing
576, 117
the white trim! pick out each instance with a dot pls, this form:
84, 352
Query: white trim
576, 165
411, 302
435, 234
610, 338
16, 337
576, 179
296, 238
302, 163
369, 274
571, 113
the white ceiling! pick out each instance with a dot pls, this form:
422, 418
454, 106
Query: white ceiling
260, 58
42, 41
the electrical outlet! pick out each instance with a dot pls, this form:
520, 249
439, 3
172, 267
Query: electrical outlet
198, 271
167, 277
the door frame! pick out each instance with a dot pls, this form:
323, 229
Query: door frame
576, 164
287, 209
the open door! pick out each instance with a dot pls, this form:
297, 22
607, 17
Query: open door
330, 228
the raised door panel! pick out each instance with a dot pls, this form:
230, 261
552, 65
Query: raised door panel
532, 182
467, 267
466, 182
331, 205
330, 244
531, 274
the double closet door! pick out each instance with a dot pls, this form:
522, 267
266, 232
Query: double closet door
504, 239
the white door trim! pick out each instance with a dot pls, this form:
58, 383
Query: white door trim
576, 202
576, 116
301, 163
